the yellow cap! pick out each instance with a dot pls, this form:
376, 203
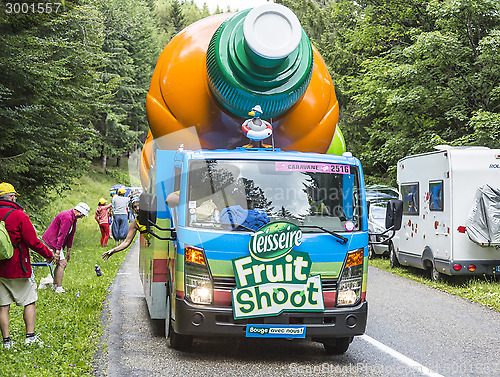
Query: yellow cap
7, 188
102, 201
121, 190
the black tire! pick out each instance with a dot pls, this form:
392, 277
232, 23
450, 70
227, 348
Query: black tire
371, 252
177, 341
337, 346
393, 258
387, 253
167, 319
180, 342
435, 275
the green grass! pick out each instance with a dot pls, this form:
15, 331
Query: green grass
481, 290
70, 326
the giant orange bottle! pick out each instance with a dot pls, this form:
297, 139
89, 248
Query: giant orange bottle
213, 72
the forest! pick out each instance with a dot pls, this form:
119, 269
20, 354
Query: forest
408, 75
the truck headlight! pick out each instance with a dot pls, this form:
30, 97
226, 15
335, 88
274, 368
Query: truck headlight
351, 279
197, 282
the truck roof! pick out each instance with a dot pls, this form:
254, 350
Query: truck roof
269, 154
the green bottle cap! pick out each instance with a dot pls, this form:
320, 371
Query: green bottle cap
260, 56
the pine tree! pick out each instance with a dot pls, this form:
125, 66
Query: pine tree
46, 95
177, 17
130, 57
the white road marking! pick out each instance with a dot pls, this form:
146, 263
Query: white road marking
404, 359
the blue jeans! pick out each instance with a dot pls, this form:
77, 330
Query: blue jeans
119, 229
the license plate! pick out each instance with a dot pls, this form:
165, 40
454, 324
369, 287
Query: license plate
275, 331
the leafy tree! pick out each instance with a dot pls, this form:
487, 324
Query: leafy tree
172, 16
312, 15
423, 73
408, 75
130, 52
176, 17
46, 95
73, 87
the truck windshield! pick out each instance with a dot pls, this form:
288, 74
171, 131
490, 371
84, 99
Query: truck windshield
244, 195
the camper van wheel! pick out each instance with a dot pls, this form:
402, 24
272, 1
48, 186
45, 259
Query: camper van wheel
393, 258
177, 341
337, 346
435, 275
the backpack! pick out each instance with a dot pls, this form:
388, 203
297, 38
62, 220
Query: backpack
6, 247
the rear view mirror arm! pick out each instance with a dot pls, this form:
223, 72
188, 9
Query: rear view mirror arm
173, 238
383, 234
160, 228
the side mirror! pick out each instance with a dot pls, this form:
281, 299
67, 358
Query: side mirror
394, 214
368, 208
147, 209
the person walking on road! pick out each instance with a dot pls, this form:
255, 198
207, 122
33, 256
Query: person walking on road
59, 235
16, 281
102, 218
119, 206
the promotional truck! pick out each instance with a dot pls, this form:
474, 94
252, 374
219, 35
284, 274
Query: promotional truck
251, 229
451, 212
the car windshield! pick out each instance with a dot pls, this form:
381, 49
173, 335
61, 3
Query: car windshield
378, 211
244, 195
380, 194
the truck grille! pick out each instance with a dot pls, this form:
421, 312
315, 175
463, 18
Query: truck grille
228, 283
224, 283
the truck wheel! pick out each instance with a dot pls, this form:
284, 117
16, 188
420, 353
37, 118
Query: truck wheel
167, 319
177, 341
393, 258
337, 346
180, 342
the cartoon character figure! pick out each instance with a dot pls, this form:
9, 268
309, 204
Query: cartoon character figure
256, 129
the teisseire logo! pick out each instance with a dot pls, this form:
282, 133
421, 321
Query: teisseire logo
274, 240
274, 278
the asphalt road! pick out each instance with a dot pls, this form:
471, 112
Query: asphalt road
412, 330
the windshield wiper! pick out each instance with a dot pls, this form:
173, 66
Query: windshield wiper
235, 226
340, 238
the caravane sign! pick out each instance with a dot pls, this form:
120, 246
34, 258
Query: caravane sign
275, 278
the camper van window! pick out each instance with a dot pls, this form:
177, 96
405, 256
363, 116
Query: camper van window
410, 195
436, 196
243, 195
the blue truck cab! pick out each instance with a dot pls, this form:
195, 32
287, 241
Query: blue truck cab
255, 242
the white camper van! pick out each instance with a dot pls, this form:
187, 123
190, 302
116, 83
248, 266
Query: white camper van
451, 212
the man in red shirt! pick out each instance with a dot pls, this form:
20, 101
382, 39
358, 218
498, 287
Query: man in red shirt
16, 281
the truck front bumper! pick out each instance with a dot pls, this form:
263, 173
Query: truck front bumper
199, 320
